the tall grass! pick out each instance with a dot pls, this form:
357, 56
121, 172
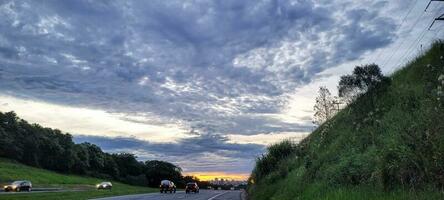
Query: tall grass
389, 141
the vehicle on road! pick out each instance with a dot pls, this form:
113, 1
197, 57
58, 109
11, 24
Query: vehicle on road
192, 187
18, 186
104, 185
167, 186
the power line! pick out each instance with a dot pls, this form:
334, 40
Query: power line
430, 3
441, 17
402, 41
417, 41
412, 46
399, 26
436, 19
409, 54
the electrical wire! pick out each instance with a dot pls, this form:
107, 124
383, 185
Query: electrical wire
417, 41
402, 41
399, 26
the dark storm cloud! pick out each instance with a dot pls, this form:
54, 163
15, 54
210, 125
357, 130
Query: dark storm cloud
192, 154
189, 146
218, 66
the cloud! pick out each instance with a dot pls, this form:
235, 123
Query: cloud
94, 122
196, 154
197, 61
212, 68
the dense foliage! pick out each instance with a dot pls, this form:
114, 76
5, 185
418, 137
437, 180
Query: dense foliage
363, 79
390, 138
51, 149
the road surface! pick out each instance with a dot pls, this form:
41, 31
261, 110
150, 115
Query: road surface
203, 195
40, 190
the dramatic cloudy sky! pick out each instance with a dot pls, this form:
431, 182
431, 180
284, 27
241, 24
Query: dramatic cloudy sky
204, 84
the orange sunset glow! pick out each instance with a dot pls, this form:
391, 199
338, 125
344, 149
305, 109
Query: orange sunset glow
208, 176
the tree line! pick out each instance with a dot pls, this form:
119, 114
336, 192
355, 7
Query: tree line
51, 149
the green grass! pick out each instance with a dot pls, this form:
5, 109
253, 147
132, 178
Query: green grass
294, 187
10, 171
388, 144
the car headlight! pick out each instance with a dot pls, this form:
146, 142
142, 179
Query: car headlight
97, 185
5, 186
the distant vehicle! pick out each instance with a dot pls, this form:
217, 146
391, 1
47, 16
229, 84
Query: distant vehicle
19, 186
232, 188
104, 185
166, 186
192, 187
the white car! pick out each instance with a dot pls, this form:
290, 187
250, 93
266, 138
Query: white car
18, 186
167, 186
104, 185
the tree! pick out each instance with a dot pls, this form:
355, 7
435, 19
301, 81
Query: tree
110, 166
324, 107
362, 79
81, 159
156, 171
127, 164
96, 157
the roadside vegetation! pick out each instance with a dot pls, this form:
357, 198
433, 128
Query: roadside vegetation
51, 149
386, 143
84, 187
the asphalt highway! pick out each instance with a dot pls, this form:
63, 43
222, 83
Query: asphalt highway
203, 195
40, 190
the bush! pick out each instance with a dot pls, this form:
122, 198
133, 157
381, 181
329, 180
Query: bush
269, 162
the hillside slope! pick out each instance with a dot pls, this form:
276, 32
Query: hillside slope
388, 144
11, 170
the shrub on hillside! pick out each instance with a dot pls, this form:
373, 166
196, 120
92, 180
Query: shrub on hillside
269, 162
363, 79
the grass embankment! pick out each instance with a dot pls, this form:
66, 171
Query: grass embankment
292, 187
388, 144
40, 178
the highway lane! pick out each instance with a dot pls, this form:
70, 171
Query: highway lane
203, 195
41, 190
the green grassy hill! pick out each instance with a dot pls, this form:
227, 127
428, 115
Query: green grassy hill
388, 144
10, 171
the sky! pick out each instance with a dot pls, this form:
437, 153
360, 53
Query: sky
206, 85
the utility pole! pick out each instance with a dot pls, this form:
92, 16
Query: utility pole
430, 3
337, 102
441, 17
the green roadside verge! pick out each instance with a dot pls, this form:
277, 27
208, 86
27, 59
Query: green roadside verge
81, 187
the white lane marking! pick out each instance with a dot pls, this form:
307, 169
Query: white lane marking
133, 196
217, 195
